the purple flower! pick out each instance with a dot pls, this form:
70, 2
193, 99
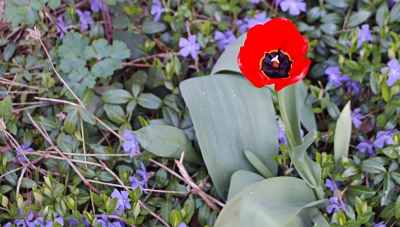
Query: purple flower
84, 19
8, 224
294, 6
384, 137
224, 39
243, 25
105, 223
356, 116
189, 46
256, 1
96, 5
144, 175
49, 222
364, 34
24, 148
334, 76
352, 85
183, 224
394, 73
123, 201
259, 18
335, 206
61, 26
73, 222
380, 224
331, 185
281, 135
131, 144
391, 3
366, 145
156, 9
27, 221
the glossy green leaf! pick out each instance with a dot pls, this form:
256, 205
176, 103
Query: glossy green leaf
115, 113
342, 136
359, 190
240, 180
152, 27
229, 116
28, 183
372, 166
87, 116
117, 96
307, 117
357, 18
380, 14
71, 121
167, 141
290, 202
395, 13
255, 161
149, 101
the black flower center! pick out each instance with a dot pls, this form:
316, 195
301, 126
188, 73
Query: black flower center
276, 64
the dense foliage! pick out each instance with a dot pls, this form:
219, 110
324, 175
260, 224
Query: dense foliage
93, 122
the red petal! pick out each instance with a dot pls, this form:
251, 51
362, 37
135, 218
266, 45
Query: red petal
299, 74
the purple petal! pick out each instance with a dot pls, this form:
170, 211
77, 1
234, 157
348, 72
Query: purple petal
192, 39
184, 43
393, 63
128, 135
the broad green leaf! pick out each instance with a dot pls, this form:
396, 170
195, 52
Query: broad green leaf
6, 108
87, 116
240, 180
71, 121
149, 101
261, 168
117, 96
170, 116
28, 183
103, 150
395, 13
329, 28
380, 14
105, 67
342, 136
357, 18
9, 51
359, 190
115, 113
54, 3
152, 27
372, 166
279, 201
166, 210
167, 141
229, 116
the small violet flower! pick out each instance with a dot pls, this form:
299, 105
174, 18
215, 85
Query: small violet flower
27, 221
294, 6
243, 25
335, 206
123, 201
61, 26
364, 34
281, 135
73, 222
84, 19
334, 76
224, 39
144, 175
49, 222
331, 184
380, 224
189, 46
259, 18
356, 116
156, 10
131, 144
96, 5
394, 73
8, 224
183, 224
384, 137
352, 85
24, 148
105, 223
366, 145
256, 1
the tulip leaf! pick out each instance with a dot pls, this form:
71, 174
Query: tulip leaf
167, 141
227, 61
307, 117
342, 136
240, 180
258, 164
290, 202
230, 115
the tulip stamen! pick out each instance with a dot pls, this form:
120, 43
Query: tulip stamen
275, 62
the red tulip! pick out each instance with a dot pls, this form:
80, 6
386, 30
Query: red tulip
273, 54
